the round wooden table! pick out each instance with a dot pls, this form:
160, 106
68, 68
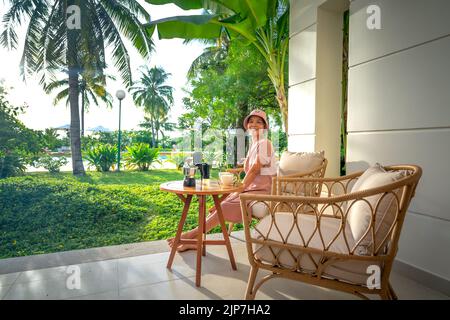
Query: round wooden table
185, 194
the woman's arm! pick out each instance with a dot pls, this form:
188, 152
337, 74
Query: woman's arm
249, 177
252, 172
263, 158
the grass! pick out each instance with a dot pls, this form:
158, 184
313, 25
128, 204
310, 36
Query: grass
44, 213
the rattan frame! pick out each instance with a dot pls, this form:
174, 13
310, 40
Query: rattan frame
333, 192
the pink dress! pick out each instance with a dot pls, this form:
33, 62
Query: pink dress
231, 206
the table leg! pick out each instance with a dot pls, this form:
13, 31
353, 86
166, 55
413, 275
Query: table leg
201, 230
204, 226
187, 202
224, 231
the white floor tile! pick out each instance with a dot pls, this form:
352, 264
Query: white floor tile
139, 273
9, 278
53, 284
3, 290
109, 295
181, 289
93, 269
408, 289
146, 277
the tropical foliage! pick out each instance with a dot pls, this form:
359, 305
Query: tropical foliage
102, 157
91, 89
51, 45
156, 97
19, 145
50, 139
141, 156
262, 23
223, 91
178, 158
52, 164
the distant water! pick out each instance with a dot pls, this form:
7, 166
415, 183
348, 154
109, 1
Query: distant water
68, 167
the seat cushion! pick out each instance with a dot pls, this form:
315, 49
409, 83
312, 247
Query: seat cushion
305, 233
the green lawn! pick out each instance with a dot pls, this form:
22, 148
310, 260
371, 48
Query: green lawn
43, 213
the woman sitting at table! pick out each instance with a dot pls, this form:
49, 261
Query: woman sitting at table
259, 167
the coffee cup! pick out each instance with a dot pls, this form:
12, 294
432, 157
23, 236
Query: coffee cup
227, 178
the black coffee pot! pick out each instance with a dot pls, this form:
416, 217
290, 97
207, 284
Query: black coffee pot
204, 169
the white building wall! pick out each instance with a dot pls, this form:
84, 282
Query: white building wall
302, 75
399, 112
314, 77
398, 107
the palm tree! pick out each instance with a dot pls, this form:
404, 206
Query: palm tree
53, 41
90, 90
152, 93
214, 54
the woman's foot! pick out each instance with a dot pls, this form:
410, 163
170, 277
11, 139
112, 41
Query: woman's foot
186, 235
186, 247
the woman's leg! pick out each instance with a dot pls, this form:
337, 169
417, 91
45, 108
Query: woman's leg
211, 221
231, 208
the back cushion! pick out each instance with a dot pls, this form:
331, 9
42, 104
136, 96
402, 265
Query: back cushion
299, 162
360, 212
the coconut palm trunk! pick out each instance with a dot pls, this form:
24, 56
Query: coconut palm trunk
75, 139
153, 133
83, 101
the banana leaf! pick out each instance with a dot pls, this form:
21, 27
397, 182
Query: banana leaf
183, 4
186, 27
248, 16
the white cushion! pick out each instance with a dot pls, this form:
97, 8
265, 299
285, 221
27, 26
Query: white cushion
299, 162
360, 213
259, 210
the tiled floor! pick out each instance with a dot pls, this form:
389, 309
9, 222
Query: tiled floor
146, 277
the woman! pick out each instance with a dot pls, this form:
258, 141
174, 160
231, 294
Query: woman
259, 167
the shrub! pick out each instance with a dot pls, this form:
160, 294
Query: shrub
102, 157
18, 144
140, 155
50, 140
11, 164
178, 158
52, 164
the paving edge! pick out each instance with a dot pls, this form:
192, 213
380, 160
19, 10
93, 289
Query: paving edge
66, 258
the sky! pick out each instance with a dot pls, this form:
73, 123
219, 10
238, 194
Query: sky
172, 55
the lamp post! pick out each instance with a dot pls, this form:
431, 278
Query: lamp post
120, 94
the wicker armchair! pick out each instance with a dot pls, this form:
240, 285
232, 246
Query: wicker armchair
310, 238
318, 172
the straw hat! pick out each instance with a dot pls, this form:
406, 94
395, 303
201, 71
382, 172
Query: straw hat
258, 113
